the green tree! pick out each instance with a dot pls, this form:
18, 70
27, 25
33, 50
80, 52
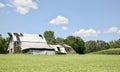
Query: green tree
115, 43
91, 46
49, 36
76, 43
59, 40
111, 43
3, 45
102, 45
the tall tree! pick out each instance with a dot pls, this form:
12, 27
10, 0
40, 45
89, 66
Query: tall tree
115, 43
3, 45
112, 44
59, 40
91, 46
102, 45
49, 36
76, 43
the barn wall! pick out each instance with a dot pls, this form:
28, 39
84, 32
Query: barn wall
11, 47
42, 52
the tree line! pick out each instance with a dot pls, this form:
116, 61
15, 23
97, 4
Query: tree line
79, 45
76, 42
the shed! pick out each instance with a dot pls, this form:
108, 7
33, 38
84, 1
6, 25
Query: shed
68, 48
59, 49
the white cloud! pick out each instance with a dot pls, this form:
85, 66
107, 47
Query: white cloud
86, 33
64, 28
118, 32
113, 30
59, 20
9, 5
23, 6
22, 10
2, 5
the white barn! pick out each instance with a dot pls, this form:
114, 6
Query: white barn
29, 43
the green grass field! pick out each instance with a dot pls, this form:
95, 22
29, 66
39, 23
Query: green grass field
114, 51
59, 63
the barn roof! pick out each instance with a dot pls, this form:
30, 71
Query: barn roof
30, 40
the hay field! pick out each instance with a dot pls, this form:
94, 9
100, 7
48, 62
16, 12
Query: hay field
59, 63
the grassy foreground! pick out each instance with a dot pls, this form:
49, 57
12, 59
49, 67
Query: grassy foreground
59, 63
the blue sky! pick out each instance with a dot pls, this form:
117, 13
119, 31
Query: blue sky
89, 19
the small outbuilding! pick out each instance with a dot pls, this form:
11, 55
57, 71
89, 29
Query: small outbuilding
68, 48
29, 43
59, 49
63, 48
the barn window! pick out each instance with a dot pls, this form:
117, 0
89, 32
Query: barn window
58, 48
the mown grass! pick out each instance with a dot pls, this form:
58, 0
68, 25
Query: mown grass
114, 51
59, 63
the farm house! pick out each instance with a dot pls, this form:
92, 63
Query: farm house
29, 43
